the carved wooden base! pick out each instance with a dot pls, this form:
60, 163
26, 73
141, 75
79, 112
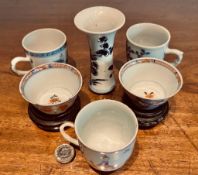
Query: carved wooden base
53, 122
148, 118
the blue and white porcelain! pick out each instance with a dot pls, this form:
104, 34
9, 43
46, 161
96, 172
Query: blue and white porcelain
106, 133
100, 23
150, 40
42, 46
150, 82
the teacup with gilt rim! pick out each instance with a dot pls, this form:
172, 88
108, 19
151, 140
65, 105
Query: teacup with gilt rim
150, 82
52, 88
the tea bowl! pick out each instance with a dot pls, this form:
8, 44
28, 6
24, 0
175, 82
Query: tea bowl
150, 82
52, 88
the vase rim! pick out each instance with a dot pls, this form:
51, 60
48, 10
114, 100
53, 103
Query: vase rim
99, 20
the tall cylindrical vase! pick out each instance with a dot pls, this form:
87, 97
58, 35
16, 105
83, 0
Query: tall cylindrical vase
101, 62
100, 23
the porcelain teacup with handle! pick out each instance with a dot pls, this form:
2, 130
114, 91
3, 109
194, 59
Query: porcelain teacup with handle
150, 40
106, 133
42, 46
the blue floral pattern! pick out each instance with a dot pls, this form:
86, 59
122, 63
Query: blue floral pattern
105, 51
136, 53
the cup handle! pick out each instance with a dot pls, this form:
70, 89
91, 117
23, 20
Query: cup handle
178, 53
66, 136
14, 63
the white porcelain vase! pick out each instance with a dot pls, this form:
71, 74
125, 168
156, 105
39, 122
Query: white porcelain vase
100, 23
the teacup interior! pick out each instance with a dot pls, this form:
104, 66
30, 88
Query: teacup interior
106, 127
52, 86
147, 35
150, 80
99, 19
44, 40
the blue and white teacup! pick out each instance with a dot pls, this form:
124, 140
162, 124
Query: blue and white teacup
42, 46
150, 40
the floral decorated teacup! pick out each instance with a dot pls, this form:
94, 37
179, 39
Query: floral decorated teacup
42, 46
150, 40
52, 88
106, 133
150, 82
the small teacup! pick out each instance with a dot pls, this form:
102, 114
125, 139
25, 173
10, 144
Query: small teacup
150, 40
150, 82
42, 46
52, 88
106, 131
